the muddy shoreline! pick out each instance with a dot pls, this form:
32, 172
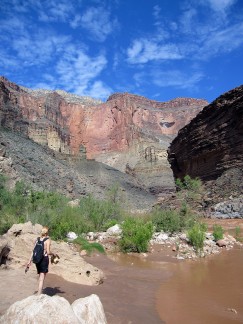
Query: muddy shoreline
128, 293
151, 289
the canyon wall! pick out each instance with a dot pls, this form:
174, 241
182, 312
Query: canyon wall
128, 132
212, 142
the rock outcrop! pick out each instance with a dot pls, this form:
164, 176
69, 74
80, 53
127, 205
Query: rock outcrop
212, 142
128, 132
16, 247
42, 169
56, 309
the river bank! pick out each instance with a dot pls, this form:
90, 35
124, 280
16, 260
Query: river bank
156, 288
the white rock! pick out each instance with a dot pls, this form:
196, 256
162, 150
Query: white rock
40, 309
161, 237
74, 203
71, 235
89, 310
114, 230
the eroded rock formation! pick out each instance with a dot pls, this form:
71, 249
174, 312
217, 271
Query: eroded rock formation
212, 142
16, 247
128, 132
51, 118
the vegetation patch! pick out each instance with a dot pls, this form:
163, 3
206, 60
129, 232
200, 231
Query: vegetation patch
218, 232
197, 235
89, 247
238, 234
136, 234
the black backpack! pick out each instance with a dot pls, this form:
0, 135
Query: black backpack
38, 252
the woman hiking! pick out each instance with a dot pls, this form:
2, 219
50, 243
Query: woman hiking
41, 266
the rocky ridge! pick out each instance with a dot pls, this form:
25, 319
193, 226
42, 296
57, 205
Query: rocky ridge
44, 169
212, 142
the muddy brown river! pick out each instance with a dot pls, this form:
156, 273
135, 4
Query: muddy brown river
161, 289
206, 291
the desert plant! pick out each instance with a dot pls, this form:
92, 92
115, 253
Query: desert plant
89, 246
166, 220
238, 236
188, 183
136, 234
218, 232
196, 235
98, 213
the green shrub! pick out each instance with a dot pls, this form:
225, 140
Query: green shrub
189, 183
89, 247
167, 220
196, 235
98, 213
172, 220
218, 232
136, 234
238, 236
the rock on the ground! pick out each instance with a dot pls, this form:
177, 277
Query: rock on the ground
49, 310
114, 230
71, 266
89, 310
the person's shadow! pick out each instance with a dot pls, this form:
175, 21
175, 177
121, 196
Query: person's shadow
50, 291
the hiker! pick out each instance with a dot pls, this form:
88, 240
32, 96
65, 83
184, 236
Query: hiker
42, 265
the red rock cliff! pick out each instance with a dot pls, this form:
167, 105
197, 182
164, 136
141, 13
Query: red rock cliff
76, 126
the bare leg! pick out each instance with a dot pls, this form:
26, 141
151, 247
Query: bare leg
41, 282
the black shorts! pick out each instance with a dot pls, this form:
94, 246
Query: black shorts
42, 267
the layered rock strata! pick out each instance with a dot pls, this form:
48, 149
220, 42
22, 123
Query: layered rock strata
69, 126
128, 132
212, 142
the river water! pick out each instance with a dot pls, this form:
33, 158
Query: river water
206, 291
160, 289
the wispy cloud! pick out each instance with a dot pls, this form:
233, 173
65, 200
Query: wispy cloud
223, 41
78, 72
97, 21
38, 48
195, 36
176, 78
170, 78
144, 50
220, 5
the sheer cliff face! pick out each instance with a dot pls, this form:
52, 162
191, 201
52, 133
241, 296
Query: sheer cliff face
94, 128
213, 141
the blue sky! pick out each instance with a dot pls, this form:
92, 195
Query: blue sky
160, 49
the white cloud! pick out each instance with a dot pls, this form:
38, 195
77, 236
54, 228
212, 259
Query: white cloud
97, 90
76, 66
38, 48
144, 50
188, 21
176, 78
156, 15
222, 41
78, 73
97, 22
55, 11
220, 5
170, 78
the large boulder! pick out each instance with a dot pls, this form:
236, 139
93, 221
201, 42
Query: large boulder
89, 310
16, 247
49, 310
